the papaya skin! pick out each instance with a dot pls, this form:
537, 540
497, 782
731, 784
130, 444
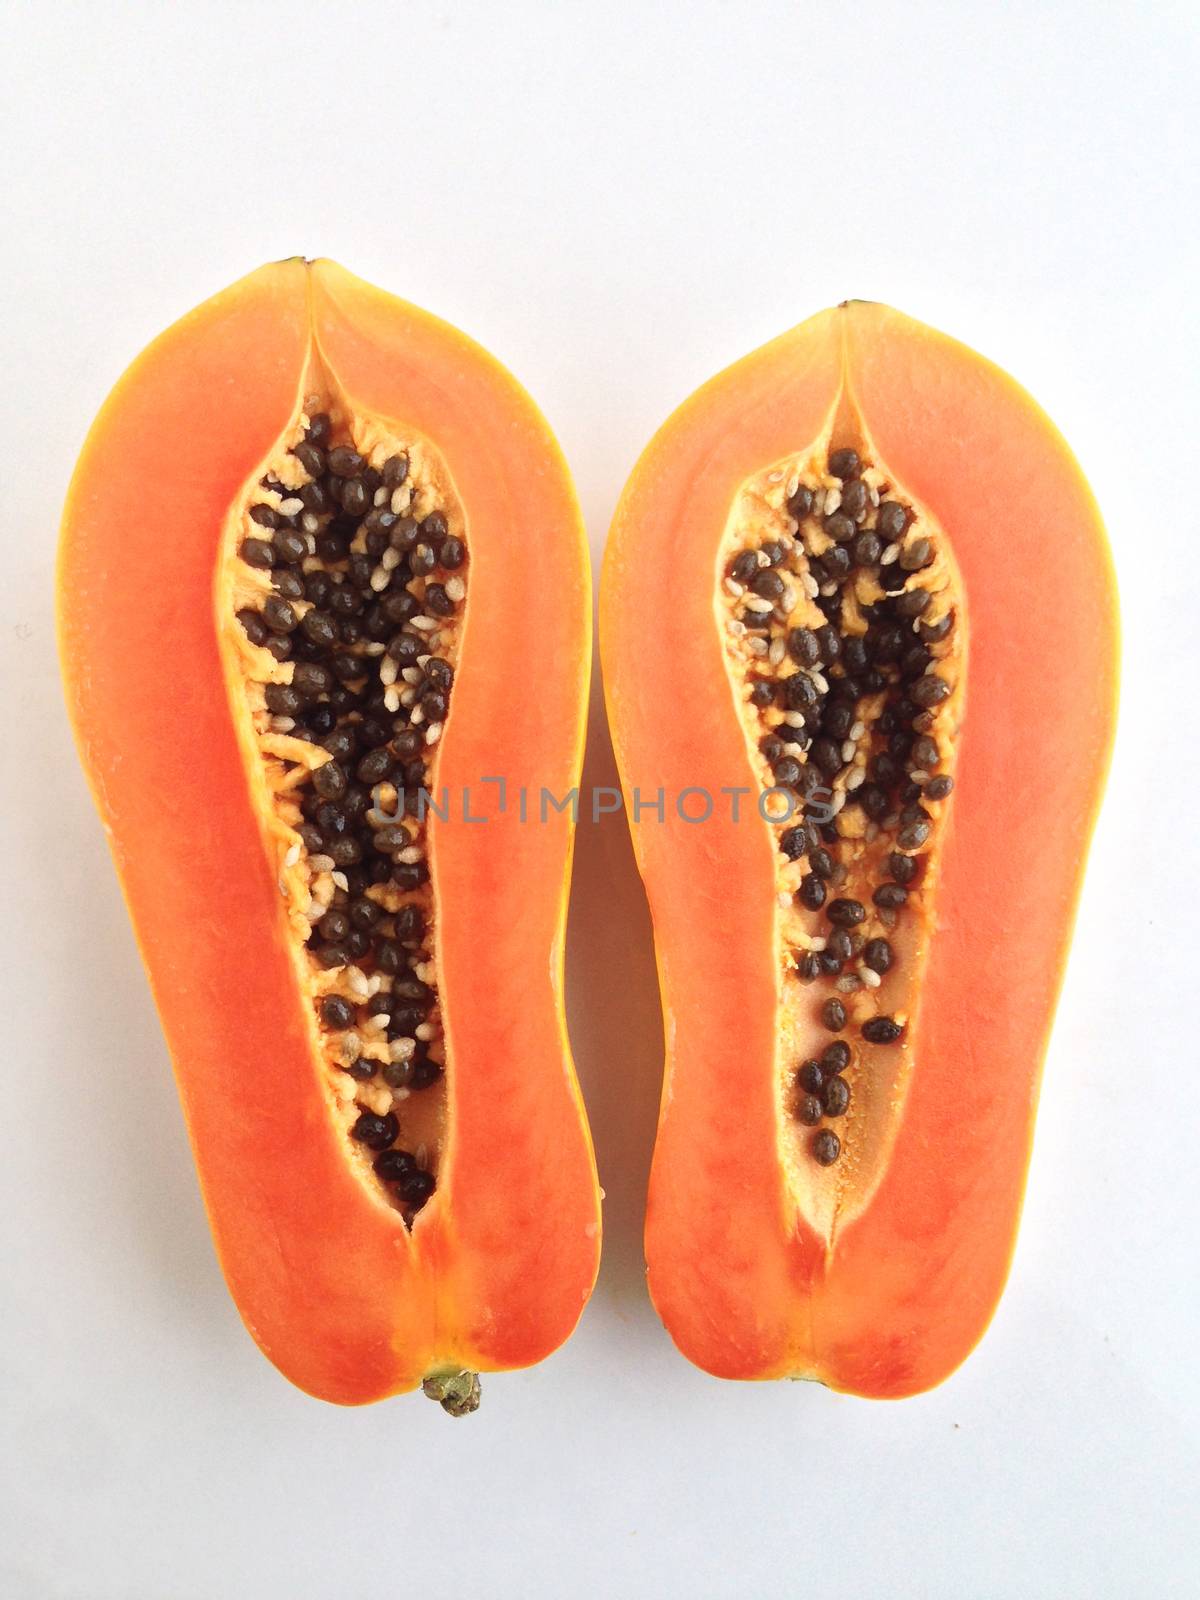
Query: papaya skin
896, 1298
345, 1300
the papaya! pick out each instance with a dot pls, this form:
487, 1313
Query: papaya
859, 638
308, 683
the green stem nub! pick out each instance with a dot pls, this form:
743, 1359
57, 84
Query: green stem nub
457, 1393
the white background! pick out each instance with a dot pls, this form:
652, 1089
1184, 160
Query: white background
618, 199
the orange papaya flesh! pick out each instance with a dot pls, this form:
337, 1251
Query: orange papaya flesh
277, 671
867, 532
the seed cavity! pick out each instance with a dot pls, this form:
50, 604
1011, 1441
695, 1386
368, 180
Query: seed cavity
838, 597
339, 586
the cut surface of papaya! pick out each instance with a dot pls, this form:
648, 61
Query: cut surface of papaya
880, 705
293, 584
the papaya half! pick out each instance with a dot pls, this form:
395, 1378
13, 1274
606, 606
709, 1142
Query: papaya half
308, 685
859, 639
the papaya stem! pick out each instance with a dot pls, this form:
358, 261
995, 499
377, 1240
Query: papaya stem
458, 1393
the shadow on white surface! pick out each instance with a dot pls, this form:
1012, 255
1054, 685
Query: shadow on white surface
615, 1020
